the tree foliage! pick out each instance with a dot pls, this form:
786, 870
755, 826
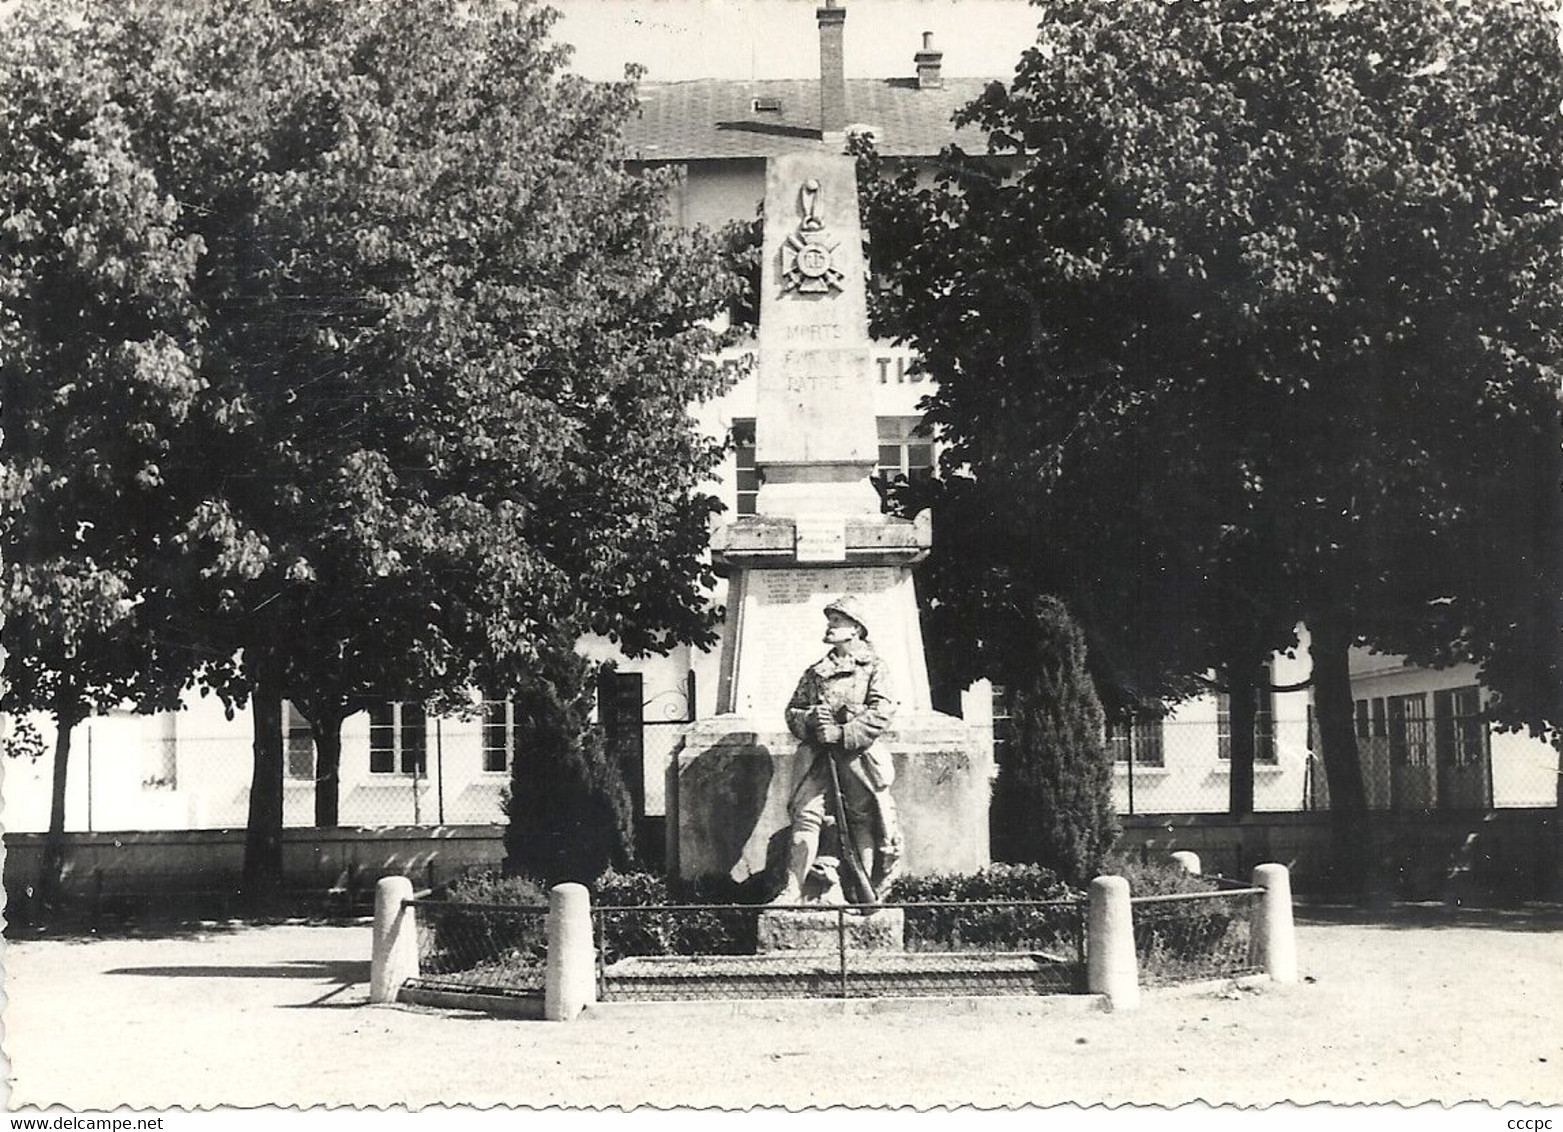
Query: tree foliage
1251, 317
442, 347
99, 359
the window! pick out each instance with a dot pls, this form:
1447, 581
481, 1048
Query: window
1459, 730
1136, 735
1003, 724
748, 481
1408, 729
1359, 716
1380, 726
397, 740
500, 736
1264, 720
904, 454
299, 743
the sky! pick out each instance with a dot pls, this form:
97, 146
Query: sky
779, 39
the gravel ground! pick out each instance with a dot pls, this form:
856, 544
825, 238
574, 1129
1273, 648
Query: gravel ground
1409, 1006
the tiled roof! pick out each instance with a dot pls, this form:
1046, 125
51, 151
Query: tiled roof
719, 117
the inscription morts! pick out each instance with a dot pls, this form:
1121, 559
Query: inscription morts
814, 332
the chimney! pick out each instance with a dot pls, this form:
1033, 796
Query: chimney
928, 65
832, 72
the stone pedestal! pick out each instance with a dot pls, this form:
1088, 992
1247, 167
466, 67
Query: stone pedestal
730, 783
884, 930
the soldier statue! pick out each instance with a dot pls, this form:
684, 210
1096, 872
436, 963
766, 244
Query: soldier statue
842, 704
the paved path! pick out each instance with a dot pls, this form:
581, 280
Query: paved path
278, 1015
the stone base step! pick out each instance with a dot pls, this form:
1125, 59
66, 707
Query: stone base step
785, 931
815, 974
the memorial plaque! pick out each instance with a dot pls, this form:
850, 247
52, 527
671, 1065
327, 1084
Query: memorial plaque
785, 609
821, 538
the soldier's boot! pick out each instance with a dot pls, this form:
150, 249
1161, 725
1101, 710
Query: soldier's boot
798, 862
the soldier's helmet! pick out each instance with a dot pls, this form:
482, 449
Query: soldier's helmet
850, 605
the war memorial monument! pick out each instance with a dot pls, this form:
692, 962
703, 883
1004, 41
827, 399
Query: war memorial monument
745, 788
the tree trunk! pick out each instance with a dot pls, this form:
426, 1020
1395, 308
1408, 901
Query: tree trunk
1243, 697
1351, 832
66, 717
328, 770
1557, 826
263, 837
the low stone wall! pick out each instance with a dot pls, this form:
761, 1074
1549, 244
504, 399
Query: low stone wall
1513, 851
1423, 855
161, 862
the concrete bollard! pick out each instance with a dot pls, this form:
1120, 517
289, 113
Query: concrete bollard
1187, 860
394, 958
570, 983
1111, 966
1275, 940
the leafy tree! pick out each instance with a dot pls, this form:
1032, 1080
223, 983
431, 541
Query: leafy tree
1053, 801
99, 363
568, 806
448, 353
1251, 326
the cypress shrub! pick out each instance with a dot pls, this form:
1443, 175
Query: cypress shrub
569, 810
1052, 801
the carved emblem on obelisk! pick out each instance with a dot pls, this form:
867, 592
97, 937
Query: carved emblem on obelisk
809, 254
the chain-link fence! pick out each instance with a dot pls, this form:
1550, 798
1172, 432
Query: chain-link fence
123, 775
154, 773
1179, 767
488, 948
712, 951
1192, 936
806, 951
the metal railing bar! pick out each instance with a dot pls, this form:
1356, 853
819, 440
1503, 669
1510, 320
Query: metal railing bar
600, 946
463, 906
841, 942
936, 904
1174, 897
1229, 883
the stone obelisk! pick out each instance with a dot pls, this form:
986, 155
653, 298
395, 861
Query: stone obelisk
819, 532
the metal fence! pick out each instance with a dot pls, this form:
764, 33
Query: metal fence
1177, 767
805, 951
138, 773
122, 776
487, 948
1194, 936
724, 951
